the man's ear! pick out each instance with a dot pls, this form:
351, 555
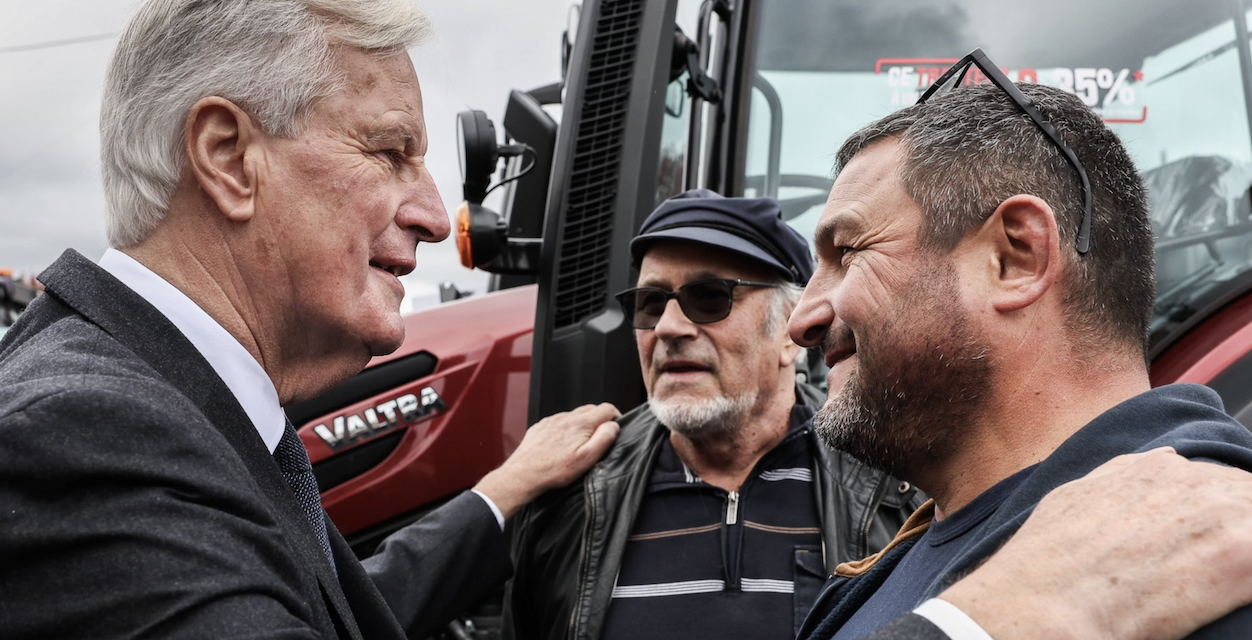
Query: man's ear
217, 137
1022, 236
789, 352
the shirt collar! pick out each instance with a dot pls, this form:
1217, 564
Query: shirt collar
242, 374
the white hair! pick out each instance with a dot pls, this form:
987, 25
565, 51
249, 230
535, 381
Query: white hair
272, 58
706, 417
785, 298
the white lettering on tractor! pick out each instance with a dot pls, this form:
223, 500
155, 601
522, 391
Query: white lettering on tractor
351, 427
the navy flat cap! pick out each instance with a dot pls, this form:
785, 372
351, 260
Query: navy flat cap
752, 227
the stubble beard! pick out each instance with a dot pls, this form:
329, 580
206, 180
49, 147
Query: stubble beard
917, 385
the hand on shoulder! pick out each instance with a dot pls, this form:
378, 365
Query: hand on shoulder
1148, 546
555, 451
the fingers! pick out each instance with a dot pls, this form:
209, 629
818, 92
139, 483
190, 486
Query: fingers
1227, 474
587, 417
563, 446
554, 452
1124, 461
597, 413
600, 440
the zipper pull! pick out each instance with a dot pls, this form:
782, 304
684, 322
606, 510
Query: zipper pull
732, 507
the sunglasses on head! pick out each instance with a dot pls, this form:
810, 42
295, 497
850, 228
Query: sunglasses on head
702, 301
955, 75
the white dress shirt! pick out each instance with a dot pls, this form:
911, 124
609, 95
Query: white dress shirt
242, 374
951, 620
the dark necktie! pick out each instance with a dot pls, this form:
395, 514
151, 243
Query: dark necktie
293, 461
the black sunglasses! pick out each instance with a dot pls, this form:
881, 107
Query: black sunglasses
997, 77
702, 301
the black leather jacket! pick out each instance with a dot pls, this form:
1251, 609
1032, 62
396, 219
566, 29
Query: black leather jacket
568, 544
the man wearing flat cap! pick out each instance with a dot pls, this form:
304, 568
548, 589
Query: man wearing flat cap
718, 512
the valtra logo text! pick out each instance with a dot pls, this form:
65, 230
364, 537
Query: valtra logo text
350, 428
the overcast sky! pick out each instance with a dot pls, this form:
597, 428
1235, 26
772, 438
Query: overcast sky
50, 196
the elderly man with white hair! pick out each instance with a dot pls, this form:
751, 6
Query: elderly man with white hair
263, 167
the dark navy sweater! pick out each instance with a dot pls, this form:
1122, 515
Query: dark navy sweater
1187, 417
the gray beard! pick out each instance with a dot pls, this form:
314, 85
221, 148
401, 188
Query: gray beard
695, 419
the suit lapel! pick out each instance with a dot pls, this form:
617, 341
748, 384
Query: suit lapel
125, 315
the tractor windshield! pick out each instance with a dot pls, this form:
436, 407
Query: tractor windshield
1171, 78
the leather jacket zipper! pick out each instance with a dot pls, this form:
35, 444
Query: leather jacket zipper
732, 542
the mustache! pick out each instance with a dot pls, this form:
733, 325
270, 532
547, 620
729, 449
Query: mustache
838, 339
664, 353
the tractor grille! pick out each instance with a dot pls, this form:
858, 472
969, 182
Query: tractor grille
583, 260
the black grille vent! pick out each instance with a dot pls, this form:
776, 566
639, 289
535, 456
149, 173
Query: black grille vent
583, 261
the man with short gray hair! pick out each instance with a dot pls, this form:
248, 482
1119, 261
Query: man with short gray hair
264, 169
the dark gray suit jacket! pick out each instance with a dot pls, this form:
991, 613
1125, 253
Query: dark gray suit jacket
908, 627
138, 500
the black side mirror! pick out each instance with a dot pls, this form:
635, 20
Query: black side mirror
482, 237
477, 151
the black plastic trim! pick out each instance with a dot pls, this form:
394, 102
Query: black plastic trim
603, 186
740, 74
345, 466
367, 384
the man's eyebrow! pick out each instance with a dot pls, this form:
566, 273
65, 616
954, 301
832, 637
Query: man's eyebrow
657, 282
839, 224
391, 135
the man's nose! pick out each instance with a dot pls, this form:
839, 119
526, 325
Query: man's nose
810, 321
422, 210
673, 323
